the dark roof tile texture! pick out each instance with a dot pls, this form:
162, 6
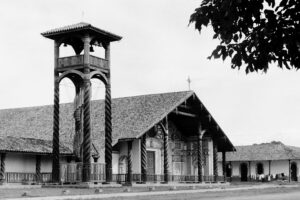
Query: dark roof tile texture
131, 117
30, 145
264, 151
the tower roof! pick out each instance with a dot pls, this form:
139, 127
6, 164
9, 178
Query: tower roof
79, 28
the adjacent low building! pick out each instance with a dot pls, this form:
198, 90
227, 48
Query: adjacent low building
153, 135
263, 162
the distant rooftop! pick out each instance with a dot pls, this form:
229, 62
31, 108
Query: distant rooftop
80, 27
264, 151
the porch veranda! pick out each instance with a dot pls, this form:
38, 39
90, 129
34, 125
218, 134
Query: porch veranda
72, 173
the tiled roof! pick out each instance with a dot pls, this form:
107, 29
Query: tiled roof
264, 151
78, 27
131, 117
30, 145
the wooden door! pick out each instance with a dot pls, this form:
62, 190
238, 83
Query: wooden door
244, 172
150, 162
294, 172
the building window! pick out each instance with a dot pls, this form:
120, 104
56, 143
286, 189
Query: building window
259, 168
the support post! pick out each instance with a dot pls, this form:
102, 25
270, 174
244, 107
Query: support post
289, 170
86, 146
230, 171
129, 164
86, 174
78, 117
224, 164
108, 123
269, 167
200, 154
144, 159
249, 164
215, 161
55, 139
38, 169
166, 149
2, 168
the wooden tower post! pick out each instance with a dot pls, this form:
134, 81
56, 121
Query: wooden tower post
80, 69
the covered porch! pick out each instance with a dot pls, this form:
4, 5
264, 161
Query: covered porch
170, 147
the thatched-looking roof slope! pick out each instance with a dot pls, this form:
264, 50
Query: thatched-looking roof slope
30, 145
264, 151
131, 118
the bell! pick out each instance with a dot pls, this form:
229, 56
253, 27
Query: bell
91, 49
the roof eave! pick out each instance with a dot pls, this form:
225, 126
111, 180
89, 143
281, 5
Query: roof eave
109, 36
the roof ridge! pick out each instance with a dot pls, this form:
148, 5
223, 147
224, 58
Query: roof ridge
153, 94
118, 98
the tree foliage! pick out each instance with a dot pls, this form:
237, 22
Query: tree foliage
254, 33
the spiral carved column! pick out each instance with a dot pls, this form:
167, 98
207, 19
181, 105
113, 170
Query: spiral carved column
144, 159
224, 164
78, 137
38, 168
215, 161
2, 168
86, 173
129, 164
199, 154
166, 148
108, 134
55, 150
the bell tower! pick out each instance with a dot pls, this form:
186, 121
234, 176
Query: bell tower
80, 69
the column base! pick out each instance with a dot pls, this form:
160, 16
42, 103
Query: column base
141, 182
2, 182
127, 184
164, 182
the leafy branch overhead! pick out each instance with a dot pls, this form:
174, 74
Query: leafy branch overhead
254, 33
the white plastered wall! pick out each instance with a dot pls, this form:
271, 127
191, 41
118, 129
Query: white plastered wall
115, 162
136, 157
210, 157
277, 167
17, 162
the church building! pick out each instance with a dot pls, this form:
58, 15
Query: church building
148, 138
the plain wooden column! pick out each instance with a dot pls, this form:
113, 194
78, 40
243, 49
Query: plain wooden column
38, 168
55, 141
249, 163
2, 168
143, 159
108, 119
215, 160
224, 164
289, 170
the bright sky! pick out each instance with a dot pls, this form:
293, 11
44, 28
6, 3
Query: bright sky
157, 54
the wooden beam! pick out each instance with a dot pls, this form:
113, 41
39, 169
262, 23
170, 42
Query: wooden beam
184, 114
185, 106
